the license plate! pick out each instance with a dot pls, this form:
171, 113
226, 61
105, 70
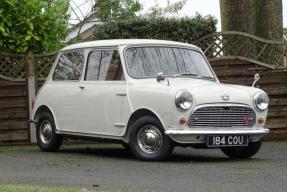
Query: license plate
227, 140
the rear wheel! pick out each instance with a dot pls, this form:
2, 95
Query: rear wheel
148, 140
243, 152
47, 139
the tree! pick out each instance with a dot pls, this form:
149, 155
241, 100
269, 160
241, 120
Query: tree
116, 9
269, 19
237, 15
33, 25
129, 9
263, 18
119, 10
172, 8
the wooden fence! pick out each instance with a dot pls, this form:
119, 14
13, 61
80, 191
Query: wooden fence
13, 111
14, 105
236, 67
231, 44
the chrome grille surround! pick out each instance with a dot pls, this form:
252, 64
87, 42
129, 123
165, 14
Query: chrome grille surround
222, 115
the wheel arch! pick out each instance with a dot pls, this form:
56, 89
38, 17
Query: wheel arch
41, 109
136, 115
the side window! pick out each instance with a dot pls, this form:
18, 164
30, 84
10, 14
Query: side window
69, 66
104, 65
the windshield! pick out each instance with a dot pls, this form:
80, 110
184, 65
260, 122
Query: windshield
145, 62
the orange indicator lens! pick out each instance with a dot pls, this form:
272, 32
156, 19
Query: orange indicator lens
183, 121
261, 120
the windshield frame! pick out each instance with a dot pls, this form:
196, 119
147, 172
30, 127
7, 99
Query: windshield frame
169, 46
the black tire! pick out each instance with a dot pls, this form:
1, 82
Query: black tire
152, 129
50, 142
243, 152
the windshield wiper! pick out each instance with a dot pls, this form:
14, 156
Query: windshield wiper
161, 76
195, 75
189, 74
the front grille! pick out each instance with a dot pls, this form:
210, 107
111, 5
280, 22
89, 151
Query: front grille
222, 116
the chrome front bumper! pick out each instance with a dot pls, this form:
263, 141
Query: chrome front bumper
199, 135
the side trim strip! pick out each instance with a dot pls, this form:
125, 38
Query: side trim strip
88, 135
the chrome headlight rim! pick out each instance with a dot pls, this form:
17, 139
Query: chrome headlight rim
183, 100
261, 101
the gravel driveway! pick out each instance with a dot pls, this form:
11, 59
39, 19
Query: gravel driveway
109, 167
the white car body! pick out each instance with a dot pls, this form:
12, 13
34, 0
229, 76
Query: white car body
103, 109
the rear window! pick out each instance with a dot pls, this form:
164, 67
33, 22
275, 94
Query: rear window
69, 67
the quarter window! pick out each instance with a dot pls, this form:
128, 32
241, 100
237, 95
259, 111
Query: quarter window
104, 65
69, 66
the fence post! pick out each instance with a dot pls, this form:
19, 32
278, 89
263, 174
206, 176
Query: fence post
285, 53
31, 92
285, 57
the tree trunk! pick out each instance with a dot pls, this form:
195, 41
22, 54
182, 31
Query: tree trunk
269, 19
237, 15
263, 18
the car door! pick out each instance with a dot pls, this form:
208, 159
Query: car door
64, 88
102, 93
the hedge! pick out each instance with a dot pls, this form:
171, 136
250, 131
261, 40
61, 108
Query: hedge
182, 30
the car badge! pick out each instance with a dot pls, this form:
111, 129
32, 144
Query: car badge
225, 97
247, 120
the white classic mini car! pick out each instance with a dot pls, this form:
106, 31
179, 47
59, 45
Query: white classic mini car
150, 95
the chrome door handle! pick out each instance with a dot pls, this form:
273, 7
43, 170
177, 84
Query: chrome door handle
121, 94
81, 87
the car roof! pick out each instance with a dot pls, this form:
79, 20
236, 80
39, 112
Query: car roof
123, 42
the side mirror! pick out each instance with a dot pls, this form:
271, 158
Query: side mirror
160, 77
256, 79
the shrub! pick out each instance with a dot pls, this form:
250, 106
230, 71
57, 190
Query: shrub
183, 29
32, 25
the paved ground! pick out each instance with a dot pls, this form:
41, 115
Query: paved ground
109, 167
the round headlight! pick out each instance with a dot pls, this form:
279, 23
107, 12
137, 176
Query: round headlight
261, 101
183, 100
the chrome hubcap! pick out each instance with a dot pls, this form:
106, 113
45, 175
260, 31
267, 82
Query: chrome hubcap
149, 139
46, 132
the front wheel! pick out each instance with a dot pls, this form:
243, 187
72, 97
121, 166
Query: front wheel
243, 152
47, 139
148, 140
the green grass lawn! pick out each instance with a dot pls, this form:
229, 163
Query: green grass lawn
32, 188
